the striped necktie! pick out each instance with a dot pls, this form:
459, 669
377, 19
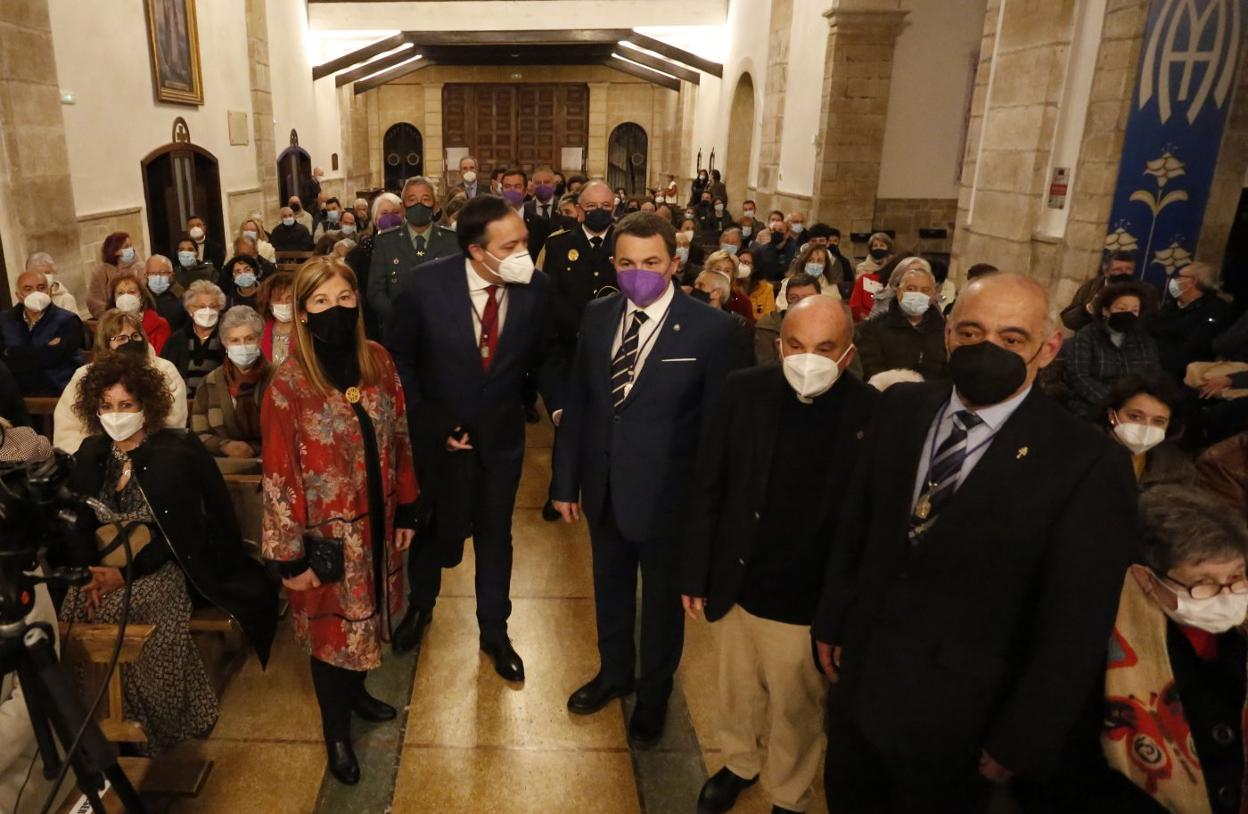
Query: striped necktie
625, 360
942, 475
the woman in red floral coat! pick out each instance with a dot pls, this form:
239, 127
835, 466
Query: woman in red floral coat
338, 476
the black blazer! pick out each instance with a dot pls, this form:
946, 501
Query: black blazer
579, 275
214, 253
991, 632
539, 228
648, 450
734, 468
189, 500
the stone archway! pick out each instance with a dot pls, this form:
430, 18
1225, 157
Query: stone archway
740, 140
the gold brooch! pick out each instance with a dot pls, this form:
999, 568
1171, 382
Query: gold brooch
353, 395
1022, 453
574, 255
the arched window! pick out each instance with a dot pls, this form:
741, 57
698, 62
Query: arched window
403, 151
627, 154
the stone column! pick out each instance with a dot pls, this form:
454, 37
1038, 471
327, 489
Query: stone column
262, 109
771, 132
596, 153
862, 35
34, 159
435, 158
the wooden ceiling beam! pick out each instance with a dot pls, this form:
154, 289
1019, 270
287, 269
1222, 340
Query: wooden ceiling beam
662, 65
359, 55
653, 77
375, 65
674, 53
394, 73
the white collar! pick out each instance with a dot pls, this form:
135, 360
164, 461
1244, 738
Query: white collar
994, 415
592, 235
475, 281
655, 310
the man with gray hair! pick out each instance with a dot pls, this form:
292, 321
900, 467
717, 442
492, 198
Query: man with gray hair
761, 516
167, 296
290, 234
910, 333
1191, 317
360, 207
61, 298
970, 594
469, 177
399, 251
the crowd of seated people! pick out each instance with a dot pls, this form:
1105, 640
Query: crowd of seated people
188, 358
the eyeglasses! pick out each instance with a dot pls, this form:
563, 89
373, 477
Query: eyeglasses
122, 339
1207, 590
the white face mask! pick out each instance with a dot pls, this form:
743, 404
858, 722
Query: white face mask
130, 303
1139, 438
516, 269
915, 303
744, 270
37, 300
197, 234
121, 426
1175, 287
469, 177
1217, 614
243, 355
282, 311
811, 375
205, 317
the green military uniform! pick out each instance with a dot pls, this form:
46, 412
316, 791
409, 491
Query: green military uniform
398, 251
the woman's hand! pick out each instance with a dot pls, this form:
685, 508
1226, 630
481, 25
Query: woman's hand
403, 538
1215, 386
305, 581
238, 449
104, 581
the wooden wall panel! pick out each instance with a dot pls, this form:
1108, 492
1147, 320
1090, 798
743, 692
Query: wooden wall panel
526, 123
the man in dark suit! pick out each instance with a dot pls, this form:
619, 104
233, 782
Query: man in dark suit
469, 178
579, 260
398, 251
207, 249
311, 190
473, 325
515, 181
649, 364
761, 518
40, 342
971, 591
544, 204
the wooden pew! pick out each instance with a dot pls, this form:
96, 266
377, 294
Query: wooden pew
93, 645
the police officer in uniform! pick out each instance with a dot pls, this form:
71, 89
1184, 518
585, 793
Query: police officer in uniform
399, 250
579, 260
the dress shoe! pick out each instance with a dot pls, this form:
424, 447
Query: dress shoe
342, 762
506, 660
595, 695
549, 513
719, 793
646, 727
411, 630
372, 709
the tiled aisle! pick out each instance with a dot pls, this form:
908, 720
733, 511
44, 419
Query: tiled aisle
473, 743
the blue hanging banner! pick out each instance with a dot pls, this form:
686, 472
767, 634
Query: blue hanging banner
1182, 95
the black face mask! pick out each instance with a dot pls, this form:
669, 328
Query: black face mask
878, 254
986, 374
1122, 321
1119, 278
419, 215
137, 348
777, 238
598, 219
700, 295
335, 327
295, 208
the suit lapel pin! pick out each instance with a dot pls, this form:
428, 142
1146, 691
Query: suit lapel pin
861, 435
396, 261
1022, 453
676, 327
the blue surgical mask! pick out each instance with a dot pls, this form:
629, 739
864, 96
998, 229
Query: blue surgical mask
187, 259
348, 228
746, 231
814, 269
682, 252
731, 248
158, 284
1175, 287
332, 215
245, 280
288, 221
127, 254
249, 233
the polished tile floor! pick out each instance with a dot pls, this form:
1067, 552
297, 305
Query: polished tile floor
470, 742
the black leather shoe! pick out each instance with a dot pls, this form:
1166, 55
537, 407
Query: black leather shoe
506, 660
719, 793
595, 695
549, 513
372, 709
411, 630
646, 727
342, 762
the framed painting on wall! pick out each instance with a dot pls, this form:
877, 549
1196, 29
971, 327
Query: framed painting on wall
174, 41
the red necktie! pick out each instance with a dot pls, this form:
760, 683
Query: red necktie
489, 328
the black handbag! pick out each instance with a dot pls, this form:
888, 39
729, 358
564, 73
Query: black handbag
325, 558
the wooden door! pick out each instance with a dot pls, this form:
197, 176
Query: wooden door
525, 124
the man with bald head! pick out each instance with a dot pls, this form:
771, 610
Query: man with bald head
971, 591
40, 342
768, 494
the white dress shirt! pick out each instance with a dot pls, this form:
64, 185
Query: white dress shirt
590, 235
978, 439
647, 335
480, 298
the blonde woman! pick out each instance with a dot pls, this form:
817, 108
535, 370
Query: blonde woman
727, 265
253, 228
325, 504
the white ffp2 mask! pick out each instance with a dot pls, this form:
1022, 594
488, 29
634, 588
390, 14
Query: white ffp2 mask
121, 426
811, 375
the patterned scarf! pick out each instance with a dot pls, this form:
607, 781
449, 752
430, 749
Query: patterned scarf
242, 385
1146, 736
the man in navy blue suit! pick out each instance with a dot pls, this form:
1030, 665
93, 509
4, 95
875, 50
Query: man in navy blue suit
465, 332
648, 365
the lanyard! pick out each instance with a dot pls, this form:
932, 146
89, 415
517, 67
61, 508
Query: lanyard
642, 348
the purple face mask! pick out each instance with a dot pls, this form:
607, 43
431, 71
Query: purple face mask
641, 286
389, 221
513, 197
544, 192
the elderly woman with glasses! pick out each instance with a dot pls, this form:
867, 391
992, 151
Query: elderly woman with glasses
1165, 729
118, 331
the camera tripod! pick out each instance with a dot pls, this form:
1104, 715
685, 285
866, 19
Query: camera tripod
54, 707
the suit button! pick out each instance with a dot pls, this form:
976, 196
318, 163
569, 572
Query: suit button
740, 561
615, 419
757, 516
1223, 735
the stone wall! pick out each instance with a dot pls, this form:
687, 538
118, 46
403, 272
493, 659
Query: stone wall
261, 111
240, 204
906, 216
1230, 176
92, 229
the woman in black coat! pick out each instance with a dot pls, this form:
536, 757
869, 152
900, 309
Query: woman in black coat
172, 502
